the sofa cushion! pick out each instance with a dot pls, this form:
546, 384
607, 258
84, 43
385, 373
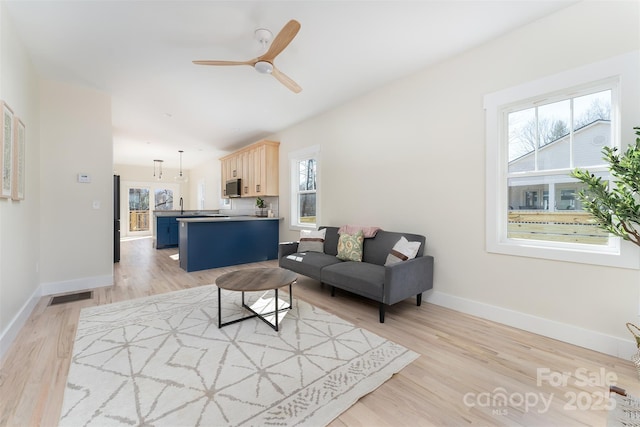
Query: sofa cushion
350, 246
377, 248
311, 240
330, 240
402, 251
308, 263
358, 277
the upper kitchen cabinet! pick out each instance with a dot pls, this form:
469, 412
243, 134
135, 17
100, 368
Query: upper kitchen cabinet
265, 169
245, 162
256, 165
229, 167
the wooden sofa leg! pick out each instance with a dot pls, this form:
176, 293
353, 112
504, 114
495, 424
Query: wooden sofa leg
381, 312
419, 299
333, 291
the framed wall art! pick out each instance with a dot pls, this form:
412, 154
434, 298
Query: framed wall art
6, 156
19, 152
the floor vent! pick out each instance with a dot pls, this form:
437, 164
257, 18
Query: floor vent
61, 299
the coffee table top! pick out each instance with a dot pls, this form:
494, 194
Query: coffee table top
256, 279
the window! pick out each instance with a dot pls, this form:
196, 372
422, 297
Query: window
163, 199
138, 209
545, 142
304, 188
537, 133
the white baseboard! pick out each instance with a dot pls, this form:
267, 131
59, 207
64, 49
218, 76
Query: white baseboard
11, 332
586, 338
76, 285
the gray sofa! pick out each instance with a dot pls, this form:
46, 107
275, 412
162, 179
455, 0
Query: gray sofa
369, 278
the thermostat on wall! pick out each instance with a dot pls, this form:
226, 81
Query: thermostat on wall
83, 177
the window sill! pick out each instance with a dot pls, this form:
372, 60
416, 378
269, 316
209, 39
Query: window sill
627, 255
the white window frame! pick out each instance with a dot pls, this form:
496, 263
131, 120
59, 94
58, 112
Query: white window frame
619, 71
295, 157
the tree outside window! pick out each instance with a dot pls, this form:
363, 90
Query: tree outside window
304, 179
307, 191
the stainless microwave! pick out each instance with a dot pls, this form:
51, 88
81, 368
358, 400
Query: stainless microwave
233, 188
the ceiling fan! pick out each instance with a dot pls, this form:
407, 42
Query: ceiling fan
264, 63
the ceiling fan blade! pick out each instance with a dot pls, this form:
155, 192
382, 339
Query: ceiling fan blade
281, 41
286, 80
252, 62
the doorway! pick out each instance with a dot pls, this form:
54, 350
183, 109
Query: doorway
138, 218
138, 202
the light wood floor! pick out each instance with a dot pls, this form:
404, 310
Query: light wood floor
466, 363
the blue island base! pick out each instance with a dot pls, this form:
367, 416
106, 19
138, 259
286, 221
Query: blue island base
220, 243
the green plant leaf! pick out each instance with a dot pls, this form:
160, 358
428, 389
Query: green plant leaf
616, 205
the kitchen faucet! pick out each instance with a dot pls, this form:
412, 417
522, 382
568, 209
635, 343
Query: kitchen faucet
181, 206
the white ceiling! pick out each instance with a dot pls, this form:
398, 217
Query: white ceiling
140, 53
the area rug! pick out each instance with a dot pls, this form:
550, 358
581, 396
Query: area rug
162, 360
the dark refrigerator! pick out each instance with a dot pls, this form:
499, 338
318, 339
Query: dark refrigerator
116, 218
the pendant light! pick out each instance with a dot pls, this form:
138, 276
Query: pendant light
157, 164
181, 177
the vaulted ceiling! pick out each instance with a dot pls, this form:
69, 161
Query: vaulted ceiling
141, 52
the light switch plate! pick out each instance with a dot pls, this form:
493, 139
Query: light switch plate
84, 178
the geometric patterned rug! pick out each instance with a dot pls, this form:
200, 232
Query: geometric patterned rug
161, 360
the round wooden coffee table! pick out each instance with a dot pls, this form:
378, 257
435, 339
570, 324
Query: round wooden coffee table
255, 280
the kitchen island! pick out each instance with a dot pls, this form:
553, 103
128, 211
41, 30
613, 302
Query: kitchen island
211, 242
165, 229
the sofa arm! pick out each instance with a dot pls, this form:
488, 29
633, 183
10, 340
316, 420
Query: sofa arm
287, 248
408, 278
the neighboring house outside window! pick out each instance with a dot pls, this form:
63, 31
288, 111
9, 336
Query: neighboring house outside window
304, 188
537, 134
545, 206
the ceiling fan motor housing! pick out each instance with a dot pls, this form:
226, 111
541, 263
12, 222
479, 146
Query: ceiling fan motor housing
264, 67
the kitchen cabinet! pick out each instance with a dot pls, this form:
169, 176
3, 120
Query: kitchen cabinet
230, 168
265, 182
257, 166
246, 172
166, 232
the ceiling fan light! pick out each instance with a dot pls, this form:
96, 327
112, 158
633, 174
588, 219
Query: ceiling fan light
264, 67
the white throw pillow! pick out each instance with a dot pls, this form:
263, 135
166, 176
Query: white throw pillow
312, 240
402, 251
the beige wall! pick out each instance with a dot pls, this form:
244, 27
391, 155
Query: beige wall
144, 173
411, 157
76, 243
19, 221
208, 172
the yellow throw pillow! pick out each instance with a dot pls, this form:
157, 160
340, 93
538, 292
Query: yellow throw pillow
350, 246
